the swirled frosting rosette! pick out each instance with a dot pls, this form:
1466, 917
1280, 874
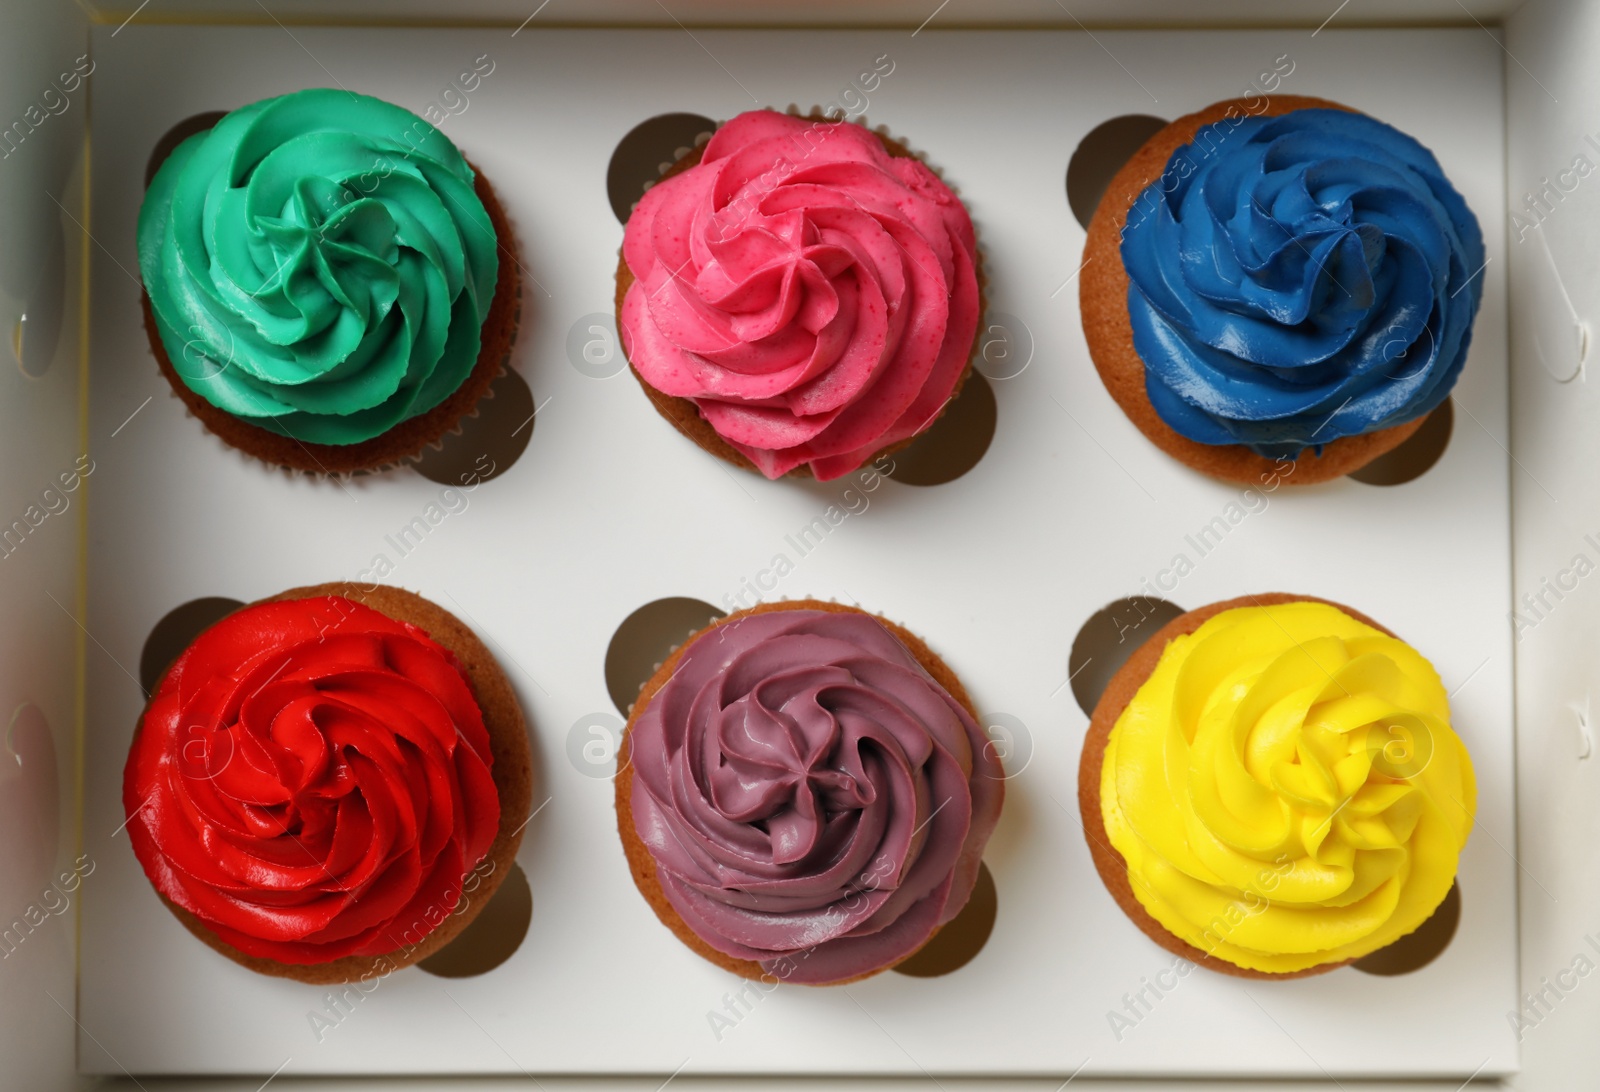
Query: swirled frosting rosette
805, 801
320, 265
1300, 278
1284, 791
313, 780
811, 294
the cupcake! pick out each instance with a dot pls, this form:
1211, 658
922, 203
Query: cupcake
800, 296
1280, 291
1270, 787
329, 784
805, 793
323, 281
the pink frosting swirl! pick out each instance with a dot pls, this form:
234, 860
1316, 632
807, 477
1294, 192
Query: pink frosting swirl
814, 800
814, 296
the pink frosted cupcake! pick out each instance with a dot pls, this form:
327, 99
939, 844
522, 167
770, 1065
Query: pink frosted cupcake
799, 296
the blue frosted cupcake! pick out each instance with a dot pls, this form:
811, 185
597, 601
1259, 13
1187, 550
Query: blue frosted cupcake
1280, 292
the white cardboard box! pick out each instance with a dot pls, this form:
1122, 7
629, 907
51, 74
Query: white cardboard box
1050, 526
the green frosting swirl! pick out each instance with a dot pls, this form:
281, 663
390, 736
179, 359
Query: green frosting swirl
320, 264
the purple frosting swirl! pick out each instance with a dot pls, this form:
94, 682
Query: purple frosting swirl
814, 800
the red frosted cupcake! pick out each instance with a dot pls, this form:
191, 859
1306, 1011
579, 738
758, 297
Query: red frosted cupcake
800, 295
330, 784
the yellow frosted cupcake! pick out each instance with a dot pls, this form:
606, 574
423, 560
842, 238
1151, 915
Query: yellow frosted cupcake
1271, 787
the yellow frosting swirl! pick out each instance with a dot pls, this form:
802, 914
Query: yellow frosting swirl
1286, 788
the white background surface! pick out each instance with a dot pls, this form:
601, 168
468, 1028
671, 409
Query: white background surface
610, 508
41, 199
1555, 274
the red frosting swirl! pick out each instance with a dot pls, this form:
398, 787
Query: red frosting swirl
813, 295
311, 780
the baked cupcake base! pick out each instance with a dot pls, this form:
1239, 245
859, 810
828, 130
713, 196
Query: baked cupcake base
643, 865
409, 438
1119, 692
512, 772
685, 416
1103, 301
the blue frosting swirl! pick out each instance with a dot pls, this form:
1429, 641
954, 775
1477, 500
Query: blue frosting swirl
1299, 278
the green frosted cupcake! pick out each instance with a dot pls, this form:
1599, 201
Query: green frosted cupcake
329, 285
